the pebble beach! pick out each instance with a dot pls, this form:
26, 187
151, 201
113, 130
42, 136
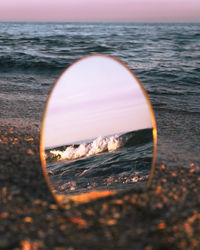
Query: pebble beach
165, 216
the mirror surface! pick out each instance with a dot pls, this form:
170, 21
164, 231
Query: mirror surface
97, 131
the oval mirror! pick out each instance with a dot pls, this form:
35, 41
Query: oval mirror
98, 132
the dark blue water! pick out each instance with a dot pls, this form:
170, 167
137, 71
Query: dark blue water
165, 57
113, 162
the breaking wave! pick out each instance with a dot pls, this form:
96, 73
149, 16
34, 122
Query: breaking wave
114, 161
99, 145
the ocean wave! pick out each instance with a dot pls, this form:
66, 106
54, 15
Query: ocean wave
114, 161
194, 111
100, 145
24, 61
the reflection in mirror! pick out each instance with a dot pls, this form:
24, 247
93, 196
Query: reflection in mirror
97, 132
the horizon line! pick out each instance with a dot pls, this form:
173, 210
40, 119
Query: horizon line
48, 21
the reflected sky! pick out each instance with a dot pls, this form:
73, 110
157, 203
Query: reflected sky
96, 96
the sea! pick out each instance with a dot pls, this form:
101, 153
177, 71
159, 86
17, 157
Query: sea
164, 56
113, 162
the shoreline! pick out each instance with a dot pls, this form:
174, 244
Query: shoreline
165, 216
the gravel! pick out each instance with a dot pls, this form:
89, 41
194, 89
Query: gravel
165, 216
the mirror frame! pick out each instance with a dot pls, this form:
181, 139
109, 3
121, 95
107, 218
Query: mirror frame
154, 126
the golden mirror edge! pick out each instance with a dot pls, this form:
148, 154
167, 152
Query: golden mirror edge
63, 200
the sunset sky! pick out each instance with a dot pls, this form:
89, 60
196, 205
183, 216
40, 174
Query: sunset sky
101, 10
97, 96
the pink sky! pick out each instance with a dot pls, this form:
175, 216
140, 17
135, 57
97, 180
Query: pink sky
101, 10
96, 96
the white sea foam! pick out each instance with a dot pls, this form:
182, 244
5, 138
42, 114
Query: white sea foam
99, 145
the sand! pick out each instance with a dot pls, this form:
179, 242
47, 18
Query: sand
166, 216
